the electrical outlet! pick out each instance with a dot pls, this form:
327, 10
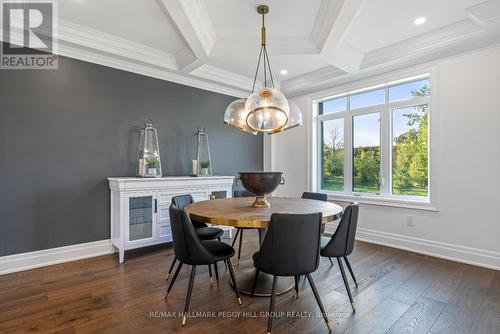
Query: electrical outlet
410, 220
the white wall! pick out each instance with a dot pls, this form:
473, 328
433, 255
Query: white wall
467, 225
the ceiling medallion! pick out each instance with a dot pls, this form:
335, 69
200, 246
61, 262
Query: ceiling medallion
266, 110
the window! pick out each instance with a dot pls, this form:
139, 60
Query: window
366, 153
409, 151
334, 105
375, 142
367, 99
332, 177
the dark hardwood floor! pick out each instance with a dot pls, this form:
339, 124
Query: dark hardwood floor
399, 292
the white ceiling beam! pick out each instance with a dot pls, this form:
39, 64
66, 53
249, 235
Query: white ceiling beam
334, 19
192, 21
187, 61
275, 46
217, 74
486, 14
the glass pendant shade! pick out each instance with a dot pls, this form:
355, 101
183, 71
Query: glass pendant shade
236, 116
148, 158
294, 118
267, 110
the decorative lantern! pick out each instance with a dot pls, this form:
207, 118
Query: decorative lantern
201, 165
148, 159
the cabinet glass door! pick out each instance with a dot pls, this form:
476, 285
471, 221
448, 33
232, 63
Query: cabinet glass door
140, 217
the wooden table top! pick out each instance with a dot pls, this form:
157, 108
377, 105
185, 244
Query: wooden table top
238, 212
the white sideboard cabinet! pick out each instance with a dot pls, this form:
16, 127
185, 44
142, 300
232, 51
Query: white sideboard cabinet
139, 206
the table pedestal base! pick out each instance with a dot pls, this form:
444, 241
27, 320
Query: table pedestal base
246, 276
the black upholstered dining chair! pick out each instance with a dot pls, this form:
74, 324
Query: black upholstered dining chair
203, 231
317, 197
341, 244
190, 250
290, 248
239, 230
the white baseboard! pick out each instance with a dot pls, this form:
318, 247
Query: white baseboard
30, 260
474, 256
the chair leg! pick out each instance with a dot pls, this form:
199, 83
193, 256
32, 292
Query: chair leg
350, 271
173, 279
331, 262
346, 283
296, 286
210, 274
257, 272
216, 273
235, 237
271, 305
188, 297
171, 268
239, 247
318, 300
233, 278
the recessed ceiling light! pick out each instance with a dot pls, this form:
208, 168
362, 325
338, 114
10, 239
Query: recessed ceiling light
420, 20
284, 72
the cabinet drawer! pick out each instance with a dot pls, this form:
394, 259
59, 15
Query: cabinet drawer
198, 195
164, 214
164, 231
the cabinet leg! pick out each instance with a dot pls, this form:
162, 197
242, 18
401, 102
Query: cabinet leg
121, 255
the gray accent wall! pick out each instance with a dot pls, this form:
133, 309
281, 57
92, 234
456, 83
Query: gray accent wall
63, 132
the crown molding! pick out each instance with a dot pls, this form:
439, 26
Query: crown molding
192, 20
213, 73
451, 40
327, 14
93, 46
432, 42
97, 40
111, 60
331, 26
197, 14
303, 82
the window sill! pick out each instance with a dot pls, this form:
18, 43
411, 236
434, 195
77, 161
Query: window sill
383, 201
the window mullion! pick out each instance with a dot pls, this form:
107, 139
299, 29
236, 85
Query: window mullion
385, 147
348, 165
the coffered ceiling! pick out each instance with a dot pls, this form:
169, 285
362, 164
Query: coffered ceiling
213, 44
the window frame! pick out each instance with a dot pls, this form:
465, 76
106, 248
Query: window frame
385, 197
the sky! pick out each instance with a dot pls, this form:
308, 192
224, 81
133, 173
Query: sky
367, 127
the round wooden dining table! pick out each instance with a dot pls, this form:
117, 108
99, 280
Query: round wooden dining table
238, 212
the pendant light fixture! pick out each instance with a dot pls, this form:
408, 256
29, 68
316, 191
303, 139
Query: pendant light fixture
236, 116
267, 109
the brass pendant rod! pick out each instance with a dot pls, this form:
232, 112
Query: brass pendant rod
263, 32
257, 69
264, 65
263, 43
269, 65
263, 9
